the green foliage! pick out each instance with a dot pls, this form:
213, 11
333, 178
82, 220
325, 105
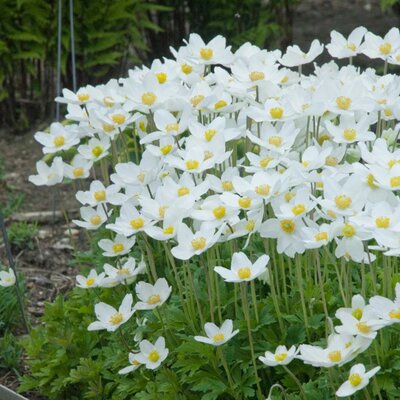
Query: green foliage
22, 234
10, 351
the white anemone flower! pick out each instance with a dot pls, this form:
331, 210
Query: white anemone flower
152, 355
351, 131
7, 278
95, 149
281, 356
340, 47
92, 280
48, 175
92, 218
386, 309
99, 194
152, 296
242, 269
119, 246
111, 319
127, 272
375, 46
295, 57
134, 364
358, 379
78, 169
217, 335
59, 138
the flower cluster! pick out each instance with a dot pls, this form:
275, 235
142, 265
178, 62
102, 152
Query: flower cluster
214, 146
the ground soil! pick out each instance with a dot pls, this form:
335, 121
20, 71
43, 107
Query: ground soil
46, 266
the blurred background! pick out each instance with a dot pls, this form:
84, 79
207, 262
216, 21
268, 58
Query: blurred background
113, 36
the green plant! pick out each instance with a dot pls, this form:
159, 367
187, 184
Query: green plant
22, 234
10, 352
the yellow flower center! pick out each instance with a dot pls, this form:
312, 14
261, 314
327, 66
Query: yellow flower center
192, 164
289, 196
107, 128
275, 141
363, 327
245, 202
323, 138
95, 220
100, 195
208, 154
395, 314
78, 172
118, 119
169, 230
206, 53
118, 247
219, 212
331, 161
218, 337
395, 181
196, 100
142, 125
343, 102
287, 226
183, 191
186, 69
370, 181
154, 299
172, 127
244, 273
148, 98
348, 230
209, 134
321, 236
262, 190
388, 112
335, 356
82, 97
166, 149
342, 201
154, 356
298, 209
265, 161
123, 271
137, 223
250, 225
355, 379
162, 77
385, 48
351, 46
382, 222
349, 134
227, 186
116, 319
89, 282
331, 214
161, 211
135, 363
199, 243
59, 141
276, 112
220, 104
141, 176
280, 357
97, 151
357, 313
256, 76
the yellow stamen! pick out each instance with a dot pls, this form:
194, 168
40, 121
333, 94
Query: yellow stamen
245, 202
161, 77
395, 181
244, 273
169, 230
196, 100
385, 48
395, 314
342, 201
275, 141
154, 356
250, 225
348, 230
287, 226
357, 313
186, 69
335, 356
137, 223
59, 141
263, 190
183, 191
219, 212
192, 164
154, 299
172, 127
218, 337
331, 161
321, 236
256, 76
118, 119
118, 247
199, 243
355, 379
78, 172
90, 281
265, 161
370, 181
83, 97
166, 149
116, 319
97, 151
298, 209
363, 327
343, 102
280, 357
227, 186
349, 134
107, 128
382, 222
100, 195
220, 104
206, 53
95, 220
209, 134
276, 112
148, 98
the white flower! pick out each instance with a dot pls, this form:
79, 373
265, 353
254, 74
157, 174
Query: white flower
358, 379
48, 175
375, 46
111, 319
99, 194
294, 56
217, 335
340, 47
91, 281
78, 169
127, 272
60, 138
152, 296
7, 278
281, 356
93, 218
152, 355
242, 270
119, 246
134, 364
387, 310
95, 149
